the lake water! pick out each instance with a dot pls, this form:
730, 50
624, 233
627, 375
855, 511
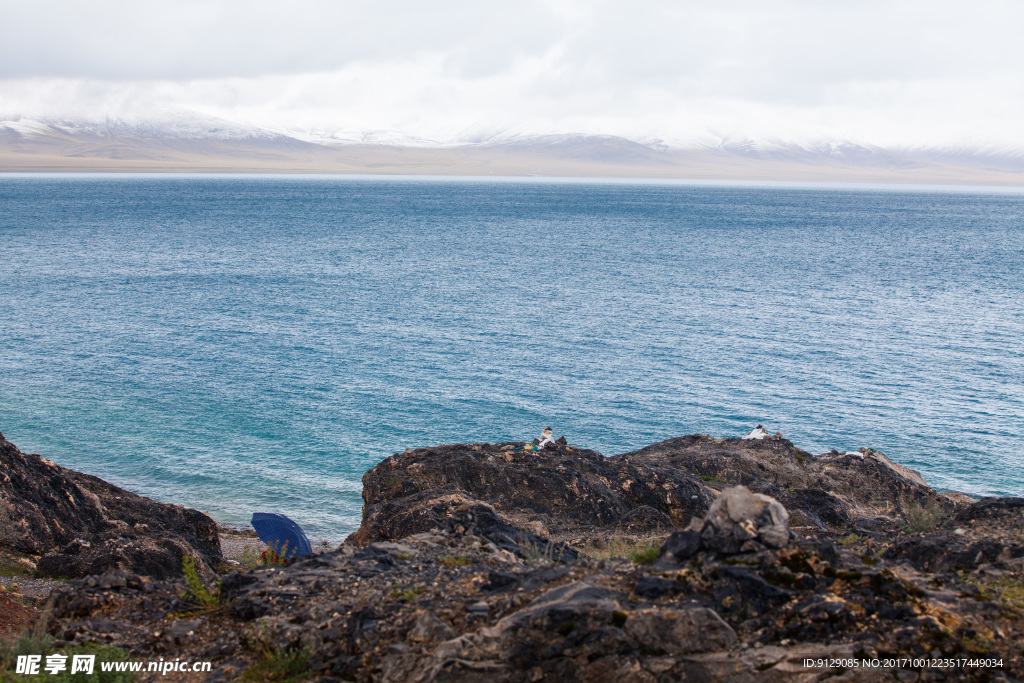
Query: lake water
256, 343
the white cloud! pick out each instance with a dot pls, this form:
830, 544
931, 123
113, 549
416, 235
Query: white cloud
889, 73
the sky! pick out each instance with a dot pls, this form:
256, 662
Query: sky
898, 73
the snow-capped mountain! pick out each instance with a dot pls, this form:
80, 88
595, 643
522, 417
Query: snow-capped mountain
181, 140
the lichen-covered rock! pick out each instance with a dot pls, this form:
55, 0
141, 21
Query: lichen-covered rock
741, 521
83, 525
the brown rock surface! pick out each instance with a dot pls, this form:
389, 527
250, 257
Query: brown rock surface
454, 576
565, 492
75, 524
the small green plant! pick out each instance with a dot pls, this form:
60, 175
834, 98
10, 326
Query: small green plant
279, 666
709, 478
644, 554
251, 558
640, 551
451, 561
849, 540
535, 554
10, 567
928, 517
195, 590
42, 645
1007, 591
409, 594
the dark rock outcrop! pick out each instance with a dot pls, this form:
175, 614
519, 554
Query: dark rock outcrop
473, 564
80, 525
831, 489
566, 493
450, 605
560, 492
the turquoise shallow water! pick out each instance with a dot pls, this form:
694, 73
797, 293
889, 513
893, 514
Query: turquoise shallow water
257, 343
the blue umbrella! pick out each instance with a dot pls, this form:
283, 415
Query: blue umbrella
282, 534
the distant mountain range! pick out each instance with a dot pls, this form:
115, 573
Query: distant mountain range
195, 144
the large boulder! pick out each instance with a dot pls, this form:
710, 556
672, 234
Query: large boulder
82, 525
741, 521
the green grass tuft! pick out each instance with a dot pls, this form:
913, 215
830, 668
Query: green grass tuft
645, 554
32, 645
928, 517
409, 594
278, 666
282, 667
268, 557
9, 568
451, 561
640, 551
196, 591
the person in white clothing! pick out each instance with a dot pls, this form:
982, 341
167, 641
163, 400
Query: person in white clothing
758, 433
546, 437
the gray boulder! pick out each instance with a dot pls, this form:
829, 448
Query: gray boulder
742, 521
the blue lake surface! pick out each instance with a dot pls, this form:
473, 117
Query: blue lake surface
257, 343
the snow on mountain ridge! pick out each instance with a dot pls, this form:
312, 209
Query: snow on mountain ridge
189, 125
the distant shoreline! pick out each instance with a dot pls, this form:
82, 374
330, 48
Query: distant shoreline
851, 185
579, 156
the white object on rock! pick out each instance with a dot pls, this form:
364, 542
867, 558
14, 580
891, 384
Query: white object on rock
758, 433
742, 521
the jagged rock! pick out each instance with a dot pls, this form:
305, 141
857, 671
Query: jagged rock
82, 525
430, 629
821, 508
988, 508
571, 491
675, 631
946, 552
451, 605
581, 613
739, 518
826, 490
682, 544
155, 556
565, 491
753, 463
871, 485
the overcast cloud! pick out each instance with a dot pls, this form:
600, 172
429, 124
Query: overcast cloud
890, 73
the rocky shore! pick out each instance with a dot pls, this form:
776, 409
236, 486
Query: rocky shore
695, 559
